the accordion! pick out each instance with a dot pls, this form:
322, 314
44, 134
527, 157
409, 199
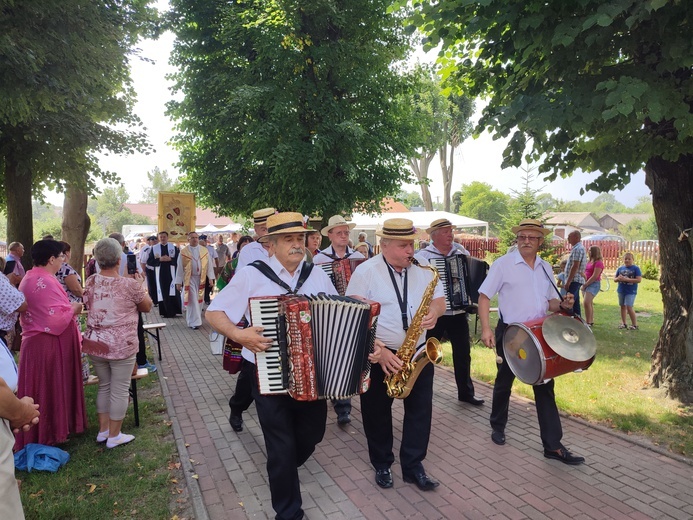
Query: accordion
340, 272
461, 276
320, 345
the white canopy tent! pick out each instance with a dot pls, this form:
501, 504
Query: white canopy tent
209, 228
421, 219
230, 228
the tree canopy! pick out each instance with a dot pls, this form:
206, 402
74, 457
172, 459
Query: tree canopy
480, 201
297, 105
66, 95
600, 86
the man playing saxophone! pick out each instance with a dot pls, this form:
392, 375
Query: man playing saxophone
411, 303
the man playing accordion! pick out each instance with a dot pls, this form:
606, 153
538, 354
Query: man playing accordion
291, 428
337, 230
453, 324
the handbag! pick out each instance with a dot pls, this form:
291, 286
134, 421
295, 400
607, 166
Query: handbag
232, 356
216, 343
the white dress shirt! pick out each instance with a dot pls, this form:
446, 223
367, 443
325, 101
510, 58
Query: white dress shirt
432, 251
250, 253
372, 281
248, 283
523, 293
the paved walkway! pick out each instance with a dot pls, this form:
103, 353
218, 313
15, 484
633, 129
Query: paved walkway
226, 473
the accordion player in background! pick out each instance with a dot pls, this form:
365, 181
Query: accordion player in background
453, 324
337, 230
291, 428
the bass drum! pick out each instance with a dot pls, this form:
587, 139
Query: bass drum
548, 347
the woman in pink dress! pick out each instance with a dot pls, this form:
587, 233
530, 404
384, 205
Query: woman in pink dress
593, 284
50, 369
114, 304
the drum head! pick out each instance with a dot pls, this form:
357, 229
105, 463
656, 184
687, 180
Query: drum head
523, 354
569, 337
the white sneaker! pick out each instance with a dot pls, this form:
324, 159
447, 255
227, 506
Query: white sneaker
122, 438
102, 436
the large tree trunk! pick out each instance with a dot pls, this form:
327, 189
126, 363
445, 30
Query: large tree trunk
75, 224
447, 167
672, 197
20, 227
420, 168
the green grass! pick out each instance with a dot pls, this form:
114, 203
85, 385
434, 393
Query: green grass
613, 391
137, 480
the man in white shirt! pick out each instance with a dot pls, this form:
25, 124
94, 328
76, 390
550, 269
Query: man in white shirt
453, 324
256, 250
337, 230
524, 284
390, 279
194, 264
291, 428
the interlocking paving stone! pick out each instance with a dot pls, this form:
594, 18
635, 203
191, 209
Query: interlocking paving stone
621, 479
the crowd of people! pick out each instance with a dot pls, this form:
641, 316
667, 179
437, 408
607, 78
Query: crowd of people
43, 401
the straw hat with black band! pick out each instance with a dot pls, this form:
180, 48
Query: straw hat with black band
260, 216
531, 224
398, 229
282, 224
336, 221
438, 224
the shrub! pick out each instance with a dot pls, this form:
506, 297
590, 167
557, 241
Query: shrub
650, 271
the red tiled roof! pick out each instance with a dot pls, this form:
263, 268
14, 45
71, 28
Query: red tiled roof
392, 206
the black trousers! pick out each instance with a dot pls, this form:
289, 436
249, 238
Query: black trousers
574, 289
142, 352
456, 329
151, 285
547, 412
209, 288
242, 397
291, 429
341, 406
376, 411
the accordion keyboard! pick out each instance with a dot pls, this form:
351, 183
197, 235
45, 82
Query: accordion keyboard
263, 313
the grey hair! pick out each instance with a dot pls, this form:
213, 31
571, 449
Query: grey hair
118, 237
107, 252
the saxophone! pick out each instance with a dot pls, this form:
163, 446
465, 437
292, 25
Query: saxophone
399, 385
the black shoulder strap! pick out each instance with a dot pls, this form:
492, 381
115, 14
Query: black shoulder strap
269, 273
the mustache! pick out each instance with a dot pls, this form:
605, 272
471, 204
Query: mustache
296, 250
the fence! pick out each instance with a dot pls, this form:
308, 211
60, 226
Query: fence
612, 251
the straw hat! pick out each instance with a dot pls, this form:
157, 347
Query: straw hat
260, 216
283, 223
531, 224
336, 221
398, 229
361, 244
439, 224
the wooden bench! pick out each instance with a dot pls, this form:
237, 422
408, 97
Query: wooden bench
141, 373
156, 327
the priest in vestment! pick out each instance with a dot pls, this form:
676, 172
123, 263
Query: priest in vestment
163, 257
194, 264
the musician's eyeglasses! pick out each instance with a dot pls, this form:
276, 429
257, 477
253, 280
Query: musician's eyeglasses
341, 233
521, 238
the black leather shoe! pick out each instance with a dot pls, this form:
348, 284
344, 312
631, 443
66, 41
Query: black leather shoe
498, 437
383, 477
564, 456
422, 481
473, 400
343, 418
236, 422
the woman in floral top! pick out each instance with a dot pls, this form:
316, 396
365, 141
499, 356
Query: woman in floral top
50, 370
114, 304
69, 278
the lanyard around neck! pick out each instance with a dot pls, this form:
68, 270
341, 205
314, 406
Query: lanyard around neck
401, 300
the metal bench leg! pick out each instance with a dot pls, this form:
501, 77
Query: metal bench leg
158, 343
135, 404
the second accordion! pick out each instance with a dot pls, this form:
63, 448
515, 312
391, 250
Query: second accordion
320, 345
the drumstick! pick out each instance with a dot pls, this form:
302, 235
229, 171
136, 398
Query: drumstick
499, 360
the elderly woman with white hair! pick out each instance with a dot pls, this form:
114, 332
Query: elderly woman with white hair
114, 303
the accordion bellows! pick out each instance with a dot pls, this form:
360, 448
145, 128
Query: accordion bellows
320, 348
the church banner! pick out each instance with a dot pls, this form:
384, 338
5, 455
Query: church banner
176, 214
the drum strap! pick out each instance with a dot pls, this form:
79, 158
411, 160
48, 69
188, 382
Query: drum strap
560, 297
